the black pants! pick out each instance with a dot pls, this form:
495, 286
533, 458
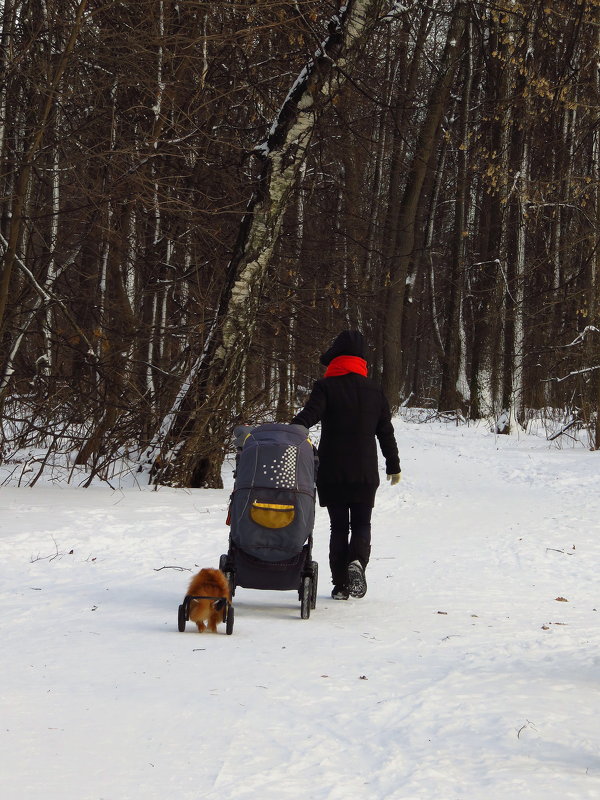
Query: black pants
354, 520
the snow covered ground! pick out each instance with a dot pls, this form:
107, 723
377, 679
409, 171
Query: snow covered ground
469, 671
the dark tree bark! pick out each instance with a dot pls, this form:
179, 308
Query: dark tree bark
425, 149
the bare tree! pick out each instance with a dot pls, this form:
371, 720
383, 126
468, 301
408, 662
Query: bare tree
409, 206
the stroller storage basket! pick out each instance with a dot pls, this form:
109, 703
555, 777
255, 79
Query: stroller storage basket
252, 573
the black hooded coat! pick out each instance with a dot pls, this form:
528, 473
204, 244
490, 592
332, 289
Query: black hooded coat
354, 415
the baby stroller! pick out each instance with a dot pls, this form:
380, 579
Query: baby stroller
272, 513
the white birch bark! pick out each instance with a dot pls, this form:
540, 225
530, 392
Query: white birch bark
103, 281
291, 370
285, 160
159, 70
130, 271
165, 300
502, 289
154, 336
429, 237
463, 389
517, 409
53, 239
109, 215
150, 352
204, 70
454, 389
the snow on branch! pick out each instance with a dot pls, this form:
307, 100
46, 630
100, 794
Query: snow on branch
571, 374
343, 27
396, 9
585, 332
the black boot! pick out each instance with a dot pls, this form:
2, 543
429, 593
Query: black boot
340, 592
357, 583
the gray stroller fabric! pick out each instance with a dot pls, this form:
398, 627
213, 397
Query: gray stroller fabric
273, 501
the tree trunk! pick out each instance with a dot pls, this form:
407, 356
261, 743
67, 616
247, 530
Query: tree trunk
514, 353
594, 281
487, 372
454, 389
425, 149
401, 108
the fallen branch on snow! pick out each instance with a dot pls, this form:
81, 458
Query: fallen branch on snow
181, 569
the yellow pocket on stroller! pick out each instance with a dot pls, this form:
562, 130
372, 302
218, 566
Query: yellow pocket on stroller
271, 515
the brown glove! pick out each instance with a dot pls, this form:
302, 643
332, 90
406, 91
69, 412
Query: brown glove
394, 478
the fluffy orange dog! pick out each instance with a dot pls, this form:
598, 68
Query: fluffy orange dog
208, 583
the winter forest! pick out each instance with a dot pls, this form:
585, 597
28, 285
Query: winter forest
197, 196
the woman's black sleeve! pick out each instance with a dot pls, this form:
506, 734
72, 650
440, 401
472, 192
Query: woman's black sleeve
313, 409
387, 440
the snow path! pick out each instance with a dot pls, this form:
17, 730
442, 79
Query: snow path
460, 676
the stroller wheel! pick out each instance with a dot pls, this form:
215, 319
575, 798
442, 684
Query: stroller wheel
305, 600
181, 618
223, 563
315, 580
230, 575
229, 624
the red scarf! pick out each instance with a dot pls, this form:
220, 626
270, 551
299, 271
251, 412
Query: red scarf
342, 365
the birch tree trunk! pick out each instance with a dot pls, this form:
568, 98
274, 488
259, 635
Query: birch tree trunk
454, 388
188, 448
517, 411
47, 367
487, 372
594, 282
514, 355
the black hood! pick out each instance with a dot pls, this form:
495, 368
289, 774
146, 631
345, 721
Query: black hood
347, 343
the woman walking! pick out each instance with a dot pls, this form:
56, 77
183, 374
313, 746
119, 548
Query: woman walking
354, 414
